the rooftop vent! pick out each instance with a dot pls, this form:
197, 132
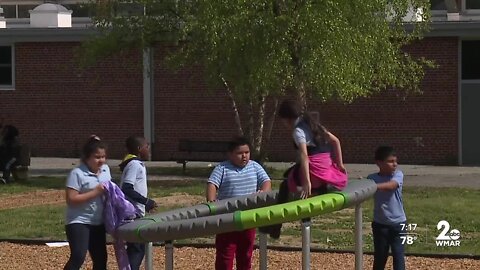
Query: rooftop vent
50, 15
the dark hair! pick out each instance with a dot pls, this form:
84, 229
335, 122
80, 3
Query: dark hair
91, 146
9, 132
383, 152
291, 109
133, 143
236, 142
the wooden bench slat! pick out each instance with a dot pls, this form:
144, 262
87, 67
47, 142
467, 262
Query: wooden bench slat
202, 146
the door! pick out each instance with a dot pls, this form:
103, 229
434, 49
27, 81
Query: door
470, 102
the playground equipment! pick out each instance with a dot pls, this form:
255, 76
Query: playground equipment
252, 211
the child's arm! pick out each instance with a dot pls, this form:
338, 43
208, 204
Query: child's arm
73, 197
393, 184
266, 186
263, 180
72, 192
214, 182
211, 193
130, 192
388, 186
305, 171
337, 148
129, 177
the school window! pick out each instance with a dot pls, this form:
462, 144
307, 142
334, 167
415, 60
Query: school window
471, 60
438, 5
23, 10
6, 67
463, 5
79, 10
9, 11
472, 4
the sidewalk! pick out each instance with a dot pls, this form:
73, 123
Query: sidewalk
415, 175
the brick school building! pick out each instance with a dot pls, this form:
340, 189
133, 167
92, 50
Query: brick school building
56, 105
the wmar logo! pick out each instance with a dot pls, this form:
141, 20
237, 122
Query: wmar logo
447, 237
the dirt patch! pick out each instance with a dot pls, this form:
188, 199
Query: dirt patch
179, 199
327, 220
58, 197
32, 198
12, 256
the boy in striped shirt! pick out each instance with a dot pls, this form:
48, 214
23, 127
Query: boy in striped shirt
237, 176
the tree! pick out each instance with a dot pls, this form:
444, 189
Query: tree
265, 49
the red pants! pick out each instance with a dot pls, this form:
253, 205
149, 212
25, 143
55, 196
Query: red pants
238, 245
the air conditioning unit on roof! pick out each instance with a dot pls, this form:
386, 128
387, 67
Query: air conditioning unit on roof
50, 15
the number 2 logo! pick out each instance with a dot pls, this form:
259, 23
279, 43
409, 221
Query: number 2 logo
446, 234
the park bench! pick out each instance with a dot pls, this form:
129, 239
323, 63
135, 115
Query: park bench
193, 150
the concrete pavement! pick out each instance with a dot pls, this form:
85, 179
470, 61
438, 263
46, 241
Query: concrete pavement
415, 175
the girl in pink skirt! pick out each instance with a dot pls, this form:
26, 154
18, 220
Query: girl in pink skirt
319, 154
319, 165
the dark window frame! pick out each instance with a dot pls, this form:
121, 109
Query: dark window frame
11, 65
470, 64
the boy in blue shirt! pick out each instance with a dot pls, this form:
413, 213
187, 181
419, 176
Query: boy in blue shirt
134, 186
388, 213
237, 176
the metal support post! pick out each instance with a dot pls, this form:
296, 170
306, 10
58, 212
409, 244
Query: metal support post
149, 256
169, 255
306, 223
358, 237
262, 239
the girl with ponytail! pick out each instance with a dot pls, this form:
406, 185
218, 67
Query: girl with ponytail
319, 164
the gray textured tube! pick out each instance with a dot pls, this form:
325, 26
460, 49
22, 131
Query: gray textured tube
218, 217
204, 219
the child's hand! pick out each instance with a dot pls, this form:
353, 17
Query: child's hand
150, 205
342, 168
99, 189
306, 190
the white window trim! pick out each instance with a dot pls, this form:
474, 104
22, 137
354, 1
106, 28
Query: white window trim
4, 87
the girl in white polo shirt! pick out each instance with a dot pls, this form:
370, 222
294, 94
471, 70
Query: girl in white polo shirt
84, 217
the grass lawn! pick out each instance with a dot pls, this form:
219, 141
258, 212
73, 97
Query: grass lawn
424, 206
36, 183
204, 172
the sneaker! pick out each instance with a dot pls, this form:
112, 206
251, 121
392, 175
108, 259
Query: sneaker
3, 181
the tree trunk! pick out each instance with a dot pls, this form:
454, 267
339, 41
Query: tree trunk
269, 128
260, 127
251, 123
238, 122
302, 95
271, 122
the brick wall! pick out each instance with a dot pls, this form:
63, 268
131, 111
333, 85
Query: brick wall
423, 127
56, 107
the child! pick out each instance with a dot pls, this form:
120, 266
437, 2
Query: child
316, 147
314, 171
388, 213
236, 177
84, 216
134, 186
9, 151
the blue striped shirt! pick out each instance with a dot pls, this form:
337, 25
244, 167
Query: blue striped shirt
233, 181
